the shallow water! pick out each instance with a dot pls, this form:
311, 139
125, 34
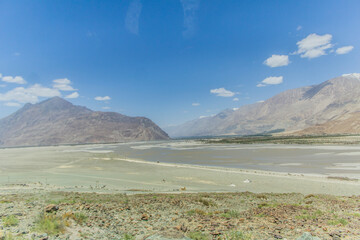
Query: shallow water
113, 167
310, 159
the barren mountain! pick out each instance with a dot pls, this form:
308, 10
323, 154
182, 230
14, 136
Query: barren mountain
57, 121
291, 110
346, 124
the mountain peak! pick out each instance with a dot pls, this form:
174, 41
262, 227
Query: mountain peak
56, 101
57, 121
55, 104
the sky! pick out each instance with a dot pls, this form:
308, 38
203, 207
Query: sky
171, 60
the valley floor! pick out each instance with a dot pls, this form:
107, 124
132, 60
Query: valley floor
87, 192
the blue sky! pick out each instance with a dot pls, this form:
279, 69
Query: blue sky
171, 60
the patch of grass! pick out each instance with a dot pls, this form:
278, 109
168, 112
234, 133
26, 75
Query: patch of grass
61, 201
10, 220
207, 202
261, 215
310, 216
127, 236
261, 196
231, 214
236, 235
198, 236
196, 211
264, 204
50, 224
4, 201
354, 214
338, 221
79, 217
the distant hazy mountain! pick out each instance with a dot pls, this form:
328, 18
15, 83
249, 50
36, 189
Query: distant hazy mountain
290, 110
56, 121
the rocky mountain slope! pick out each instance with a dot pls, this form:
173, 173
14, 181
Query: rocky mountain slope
291, 110
345, 124
57, 121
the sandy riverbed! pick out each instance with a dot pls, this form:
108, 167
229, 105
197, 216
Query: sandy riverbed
93, 168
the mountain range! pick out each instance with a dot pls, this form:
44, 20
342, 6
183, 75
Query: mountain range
329, 107
56, 121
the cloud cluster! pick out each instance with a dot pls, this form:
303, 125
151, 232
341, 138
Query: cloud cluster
314, 45
195, 104
133, 16
28, 95
222, 92
271, 81
277, 61
10, 79
32, 94
63, 84
106, 98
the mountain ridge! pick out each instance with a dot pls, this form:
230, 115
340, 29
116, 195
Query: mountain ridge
292, 110
56, 121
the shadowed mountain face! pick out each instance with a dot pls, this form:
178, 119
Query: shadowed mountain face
56, 121
291, 110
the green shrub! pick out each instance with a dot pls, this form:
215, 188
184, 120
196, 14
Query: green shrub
10, 220
231, 214
198, 236
50, 224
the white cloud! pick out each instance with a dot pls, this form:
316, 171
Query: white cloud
17, 79
201, 117
277, 61
102, 98
29, 95
106, 108
195, 104
12, 104
16, 54
261, 101
222, 92
133, 16
273, 80
270, 81
190, 8
64, 81
314, 45
63, 87
234, 109
63, 84
344, 50
72, 95
299, 28
235, 99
